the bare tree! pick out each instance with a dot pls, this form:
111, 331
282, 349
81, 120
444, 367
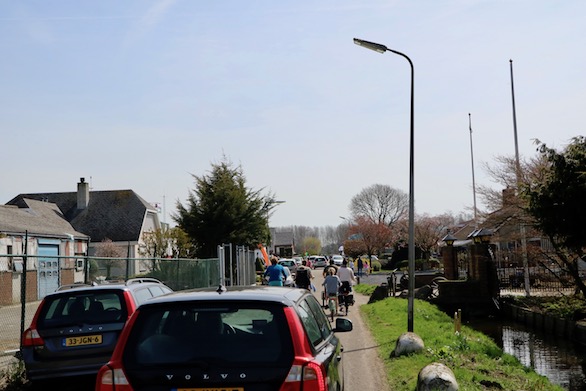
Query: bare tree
503, 171
381, 204
373, 236
107, 249
429, 230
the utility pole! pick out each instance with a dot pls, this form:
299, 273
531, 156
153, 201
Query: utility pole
518, 175
473, 180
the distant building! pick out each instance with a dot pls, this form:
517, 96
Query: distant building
37, 229
60, 219
283, 243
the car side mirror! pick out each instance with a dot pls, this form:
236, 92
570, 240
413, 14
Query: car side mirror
343, 325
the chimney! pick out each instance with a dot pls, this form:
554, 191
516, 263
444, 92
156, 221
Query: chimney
83, 194
508, 196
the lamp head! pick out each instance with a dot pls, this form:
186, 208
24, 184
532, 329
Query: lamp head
485, 235
377, 47
481, 235
449, 239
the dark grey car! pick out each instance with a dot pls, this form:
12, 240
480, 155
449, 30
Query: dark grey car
75, 329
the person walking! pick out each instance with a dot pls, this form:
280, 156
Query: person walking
303, 276
276, 273
360, 266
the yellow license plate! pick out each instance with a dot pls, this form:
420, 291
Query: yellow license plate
211, 389
85, 340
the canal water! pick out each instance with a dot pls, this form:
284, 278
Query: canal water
562, 361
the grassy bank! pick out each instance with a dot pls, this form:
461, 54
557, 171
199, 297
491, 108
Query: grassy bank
477, 362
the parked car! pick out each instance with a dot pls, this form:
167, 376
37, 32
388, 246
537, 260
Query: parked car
240, 338
75, 329
289, 280
318, 261
338, 259
290, 263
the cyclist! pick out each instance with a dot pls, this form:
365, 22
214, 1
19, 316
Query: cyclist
331, 286
276, 273
347, 278
331, 266
303, 276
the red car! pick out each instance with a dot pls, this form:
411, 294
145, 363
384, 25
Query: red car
253, 338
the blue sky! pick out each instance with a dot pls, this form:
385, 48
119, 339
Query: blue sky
142, 94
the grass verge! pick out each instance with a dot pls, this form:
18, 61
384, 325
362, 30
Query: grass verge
477, 362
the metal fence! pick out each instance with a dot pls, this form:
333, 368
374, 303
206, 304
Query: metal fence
543, 280
540, 280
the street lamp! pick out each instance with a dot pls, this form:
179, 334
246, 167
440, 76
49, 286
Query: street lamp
411, 250
481, 235
273, 203
449, 239
448, 255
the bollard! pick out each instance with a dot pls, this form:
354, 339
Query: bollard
457, 321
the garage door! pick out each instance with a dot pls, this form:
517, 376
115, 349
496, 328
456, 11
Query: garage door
48, 268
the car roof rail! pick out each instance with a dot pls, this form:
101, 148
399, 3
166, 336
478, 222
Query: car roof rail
72, 286
141, 280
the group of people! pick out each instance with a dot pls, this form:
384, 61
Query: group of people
337, 280
276, 274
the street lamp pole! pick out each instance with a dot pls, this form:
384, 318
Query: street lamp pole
411, 249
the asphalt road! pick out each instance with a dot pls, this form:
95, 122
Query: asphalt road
364, 370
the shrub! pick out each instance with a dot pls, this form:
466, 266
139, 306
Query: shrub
13, 377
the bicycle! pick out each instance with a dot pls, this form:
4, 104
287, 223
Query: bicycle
345, 296
332, 306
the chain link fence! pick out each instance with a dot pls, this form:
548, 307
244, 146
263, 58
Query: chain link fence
26, 279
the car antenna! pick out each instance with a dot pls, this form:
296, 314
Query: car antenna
221, 289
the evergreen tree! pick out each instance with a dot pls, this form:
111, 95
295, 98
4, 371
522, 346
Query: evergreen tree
221, 209
557, 203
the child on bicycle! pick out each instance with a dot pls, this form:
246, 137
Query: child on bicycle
331, 285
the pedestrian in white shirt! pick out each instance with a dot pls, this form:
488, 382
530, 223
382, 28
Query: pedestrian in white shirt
346, 274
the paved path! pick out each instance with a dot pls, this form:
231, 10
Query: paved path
10, 329
364, 369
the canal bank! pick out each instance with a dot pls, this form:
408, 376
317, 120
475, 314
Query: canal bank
559, 359
552, 346
573, 330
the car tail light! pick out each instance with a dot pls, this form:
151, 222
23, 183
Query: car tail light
31, 338
306, 376
110, 379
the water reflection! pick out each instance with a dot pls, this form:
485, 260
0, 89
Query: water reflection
562, 361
